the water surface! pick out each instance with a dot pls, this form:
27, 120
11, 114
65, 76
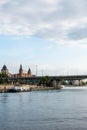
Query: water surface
64, 109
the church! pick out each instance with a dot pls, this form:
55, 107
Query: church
5, 71
22, 74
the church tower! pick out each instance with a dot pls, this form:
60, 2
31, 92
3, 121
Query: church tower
29, 73
20, 71
4, 70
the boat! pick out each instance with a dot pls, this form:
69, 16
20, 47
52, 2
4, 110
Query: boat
16, 89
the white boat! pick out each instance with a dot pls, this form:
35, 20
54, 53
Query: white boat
16, 89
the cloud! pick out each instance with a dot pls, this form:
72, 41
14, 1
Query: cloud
57, 20
78, 33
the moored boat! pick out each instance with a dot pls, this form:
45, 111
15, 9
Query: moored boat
16, 89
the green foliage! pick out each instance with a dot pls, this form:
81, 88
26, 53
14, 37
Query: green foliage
3, 78
45, 81
83, 83
64, 82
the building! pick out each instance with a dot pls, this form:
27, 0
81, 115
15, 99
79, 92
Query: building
22, 74
5, 71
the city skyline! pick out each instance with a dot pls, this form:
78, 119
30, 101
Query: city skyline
51, 35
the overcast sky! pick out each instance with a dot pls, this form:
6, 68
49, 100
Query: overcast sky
51, 34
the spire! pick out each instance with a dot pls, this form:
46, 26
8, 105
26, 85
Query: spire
4, 69
20, 70
21, 66
29, 72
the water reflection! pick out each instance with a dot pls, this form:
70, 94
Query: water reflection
44, 110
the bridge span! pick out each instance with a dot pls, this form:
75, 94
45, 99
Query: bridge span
55, 80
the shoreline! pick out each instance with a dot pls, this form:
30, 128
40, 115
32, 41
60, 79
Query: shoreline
27, 88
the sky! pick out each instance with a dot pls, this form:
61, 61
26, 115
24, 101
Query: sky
49, 36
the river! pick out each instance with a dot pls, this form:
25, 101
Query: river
64, 109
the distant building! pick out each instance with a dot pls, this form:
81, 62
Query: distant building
4, 70
22, 74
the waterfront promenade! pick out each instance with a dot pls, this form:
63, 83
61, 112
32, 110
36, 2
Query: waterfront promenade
6, 87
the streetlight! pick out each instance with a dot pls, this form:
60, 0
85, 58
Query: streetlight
36, 70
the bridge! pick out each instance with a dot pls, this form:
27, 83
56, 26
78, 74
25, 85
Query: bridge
55, 80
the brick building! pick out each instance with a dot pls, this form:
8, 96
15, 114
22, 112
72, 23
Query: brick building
22, 74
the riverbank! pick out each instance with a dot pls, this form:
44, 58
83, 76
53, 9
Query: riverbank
6, 88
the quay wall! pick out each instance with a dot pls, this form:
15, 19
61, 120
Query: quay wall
4, 88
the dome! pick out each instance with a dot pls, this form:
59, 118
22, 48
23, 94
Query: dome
4, 67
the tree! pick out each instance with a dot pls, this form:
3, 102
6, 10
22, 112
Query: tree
3, 78
45, 81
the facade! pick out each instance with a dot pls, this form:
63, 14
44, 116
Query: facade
4, 70
22, 74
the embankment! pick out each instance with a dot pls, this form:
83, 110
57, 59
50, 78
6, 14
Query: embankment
6, 87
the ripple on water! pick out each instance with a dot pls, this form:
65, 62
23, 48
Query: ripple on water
44, 110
